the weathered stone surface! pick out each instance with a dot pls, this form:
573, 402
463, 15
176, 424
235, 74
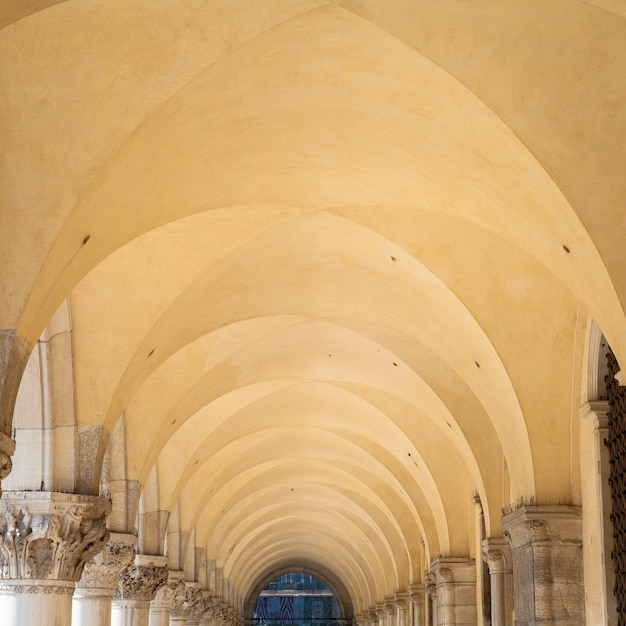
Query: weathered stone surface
102, 571
547, 562
143, 579
49, 536
455, 587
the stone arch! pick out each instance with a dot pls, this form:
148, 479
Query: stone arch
339, 591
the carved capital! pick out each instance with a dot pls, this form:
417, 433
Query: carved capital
49, 536
102, 571
453, 571
197, 602
166, 595
143, 579
533, 523
390, 605
416, 593
431, 585
402, 600
497, 554
188, 601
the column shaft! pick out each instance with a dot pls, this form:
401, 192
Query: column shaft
497, 553
91, 605
38, 602
130, 612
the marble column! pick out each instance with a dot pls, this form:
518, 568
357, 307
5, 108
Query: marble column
546, 543
161, 605
45, 539
417, 593
497, 554
455, 582
91, 604
136, 589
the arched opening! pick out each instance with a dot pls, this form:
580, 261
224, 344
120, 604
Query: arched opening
296, 598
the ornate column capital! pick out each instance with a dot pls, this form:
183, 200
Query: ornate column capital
141, 581
498, 556
49, 536
102, 571
402, 600
390, 605
164, 597
381, 611
531, 523
417, 592
189, 601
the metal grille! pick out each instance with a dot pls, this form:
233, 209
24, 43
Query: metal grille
616, 443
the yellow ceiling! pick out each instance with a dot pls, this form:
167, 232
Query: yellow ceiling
332, 262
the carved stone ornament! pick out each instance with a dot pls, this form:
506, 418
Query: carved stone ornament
166, 595
497, 554
187, 599
141, 581
197, 603
49, 536
102, 571
417, 592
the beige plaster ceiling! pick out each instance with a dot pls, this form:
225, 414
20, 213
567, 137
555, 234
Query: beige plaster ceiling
332, 262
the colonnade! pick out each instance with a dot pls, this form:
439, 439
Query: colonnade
535, 576
61, 566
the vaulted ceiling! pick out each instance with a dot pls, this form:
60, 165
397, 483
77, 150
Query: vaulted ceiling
332, 262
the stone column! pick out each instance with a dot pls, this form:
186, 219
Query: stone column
45, 539
402, 607
381, 614
497, 554
546, 542
391, 609
455, 580
91, 605
431, 596
417, 593
161, 605
136, 589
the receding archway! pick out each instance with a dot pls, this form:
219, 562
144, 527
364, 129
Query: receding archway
338, 590
296, 598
